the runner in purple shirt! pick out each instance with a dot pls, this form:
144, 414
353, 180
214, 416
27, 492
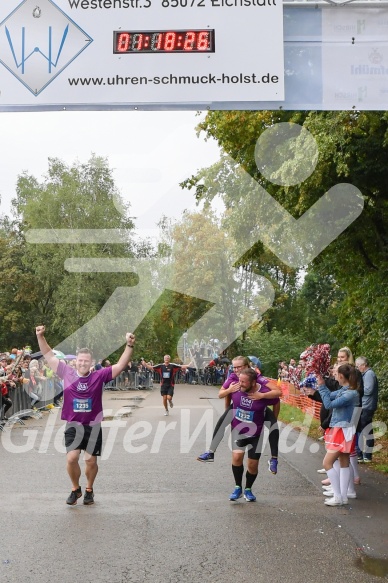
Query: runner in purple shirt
83, 410
240, 363
249, 404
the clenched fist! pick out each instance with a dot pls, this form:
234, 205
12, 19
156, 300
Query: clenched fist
40, 330
130, 338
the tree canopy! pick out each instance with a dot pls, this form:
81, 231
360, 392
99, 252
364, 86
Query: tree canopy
339, 297
342, 298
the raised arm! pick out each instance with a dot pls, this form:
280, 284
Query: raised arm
125, 357
149, 366
45, 349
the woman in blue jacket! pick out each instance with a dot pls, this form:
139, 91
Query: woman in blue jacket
341, 433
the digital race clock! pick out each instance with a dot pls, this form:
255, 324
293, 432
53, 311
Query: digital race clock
163, 41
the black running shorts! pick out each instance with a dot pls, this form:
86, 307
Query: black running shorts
86, 437
252, 445
167, 391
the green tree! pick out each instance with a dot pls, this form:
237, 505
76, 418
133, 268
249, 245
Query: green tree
80, 196
352, 148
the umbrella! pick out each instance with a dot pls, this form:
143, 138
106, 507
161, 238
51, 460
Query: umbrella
57, 353
256, 361
70, 356
225, 360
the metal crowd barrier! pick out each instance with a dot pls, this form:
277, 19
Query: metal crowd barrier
21, 402
196, 377
21, 399
131, 381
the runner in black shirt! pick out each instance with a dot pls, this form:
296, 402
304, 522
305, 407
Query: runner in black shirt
167, 371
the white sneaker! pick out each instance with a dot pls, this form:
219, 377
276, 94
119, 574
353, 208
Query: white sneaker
166, 412
334, 501
328, 493
171, 404
327, 487
322, 471
351, 495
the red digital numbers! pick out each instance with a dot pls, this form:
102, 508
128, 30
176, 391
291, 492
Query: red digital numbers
189, 41
122, 43
165, 41
203, 41
169, 41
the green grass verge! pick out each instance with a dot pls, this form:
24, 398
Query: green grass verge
300, 420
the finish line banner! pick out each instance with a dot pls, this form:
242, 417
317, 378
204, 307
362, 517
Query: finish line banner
119, 52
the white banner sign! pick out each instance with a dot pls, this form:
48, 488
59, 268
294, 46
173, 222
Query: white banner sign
355, 24
355, 58
118, 52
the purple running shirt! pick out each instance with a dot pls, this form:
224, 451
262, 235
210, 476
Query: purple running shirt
82, 396
248, 414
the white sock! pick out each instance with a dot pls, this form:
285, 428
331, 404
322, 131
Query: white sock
334, 478
354, 464
351, 488
344, 482
336, 466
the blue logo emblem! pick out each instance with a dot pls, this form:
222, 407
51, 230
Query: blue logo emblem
38, 41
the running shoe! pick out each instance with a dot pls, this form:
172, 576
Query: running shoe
273, 465
329, 493
166, 412
321, 471
360, 459
208, 456
236, 494
89, 497
367, 460
171, 404
334, 501
248, 495
74, 495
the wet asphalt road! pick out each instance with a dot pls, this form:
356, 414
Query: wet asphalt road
162, 517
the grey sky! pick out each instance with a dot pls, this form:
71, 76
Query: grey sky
150, 152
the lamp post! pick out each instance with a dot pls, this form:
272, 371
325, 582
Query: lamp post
184, 347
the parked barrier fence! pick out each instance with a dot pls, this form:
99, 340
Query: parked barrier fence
292, 397
131, 381
21, 400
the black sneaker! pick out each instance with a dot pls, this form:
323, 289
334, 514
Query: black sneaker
89, 497
74, 495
